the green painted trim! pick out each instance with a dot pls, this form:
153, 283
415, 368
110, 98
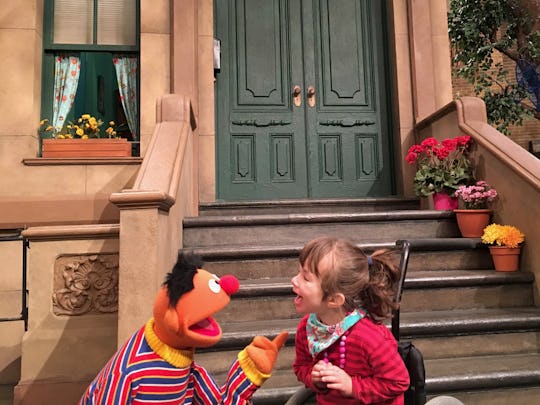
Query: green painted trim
391, 103
48, 23
93, 48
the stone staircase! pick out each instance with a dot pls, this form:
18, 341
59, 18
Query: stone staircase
478, 329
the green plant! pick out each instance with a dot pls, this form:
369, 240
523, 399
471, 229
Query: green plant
477, 29
442, 167
502, 235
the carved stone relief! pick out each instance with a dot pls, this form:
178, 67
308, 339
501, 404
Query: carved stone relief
85, 284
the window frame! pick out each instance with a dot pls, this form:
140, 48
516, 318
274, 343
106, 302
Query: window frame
50, 49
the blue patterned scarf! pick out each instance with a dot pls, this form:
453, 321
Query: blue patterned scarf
321, 336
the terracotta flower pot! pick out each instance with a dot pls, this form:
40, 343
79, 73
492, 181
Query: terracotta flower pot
443, 202
471, 223
505, 258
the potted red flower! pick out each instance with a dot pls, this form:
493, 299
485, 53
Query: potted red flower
442, 168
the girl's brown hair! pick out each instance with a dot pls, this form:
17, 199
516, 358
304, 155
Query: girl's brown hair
345, 269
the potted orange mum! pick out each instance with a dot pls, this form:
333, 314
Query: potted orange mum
505, 243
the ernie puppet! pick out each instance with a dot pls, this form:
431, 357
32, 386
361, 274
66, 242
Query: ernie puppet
155, 366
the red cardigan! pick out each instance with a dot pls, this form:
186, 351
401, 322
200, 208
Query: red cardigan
372, 360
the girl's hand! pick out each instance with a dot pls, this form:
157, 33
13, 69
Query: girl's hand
316, 376
337, 379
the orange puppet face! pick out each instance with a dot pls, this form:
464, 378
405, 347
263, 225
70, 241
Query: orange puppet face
190, 323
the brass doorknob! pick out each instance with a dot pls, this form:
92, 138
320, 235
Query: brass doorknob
297, 95
311, 96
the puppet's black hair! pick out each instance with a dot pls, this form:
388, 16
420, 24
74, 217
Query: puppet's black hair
180, 280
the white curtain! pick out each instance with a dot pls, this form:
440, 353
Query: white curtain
66, 79
126, 75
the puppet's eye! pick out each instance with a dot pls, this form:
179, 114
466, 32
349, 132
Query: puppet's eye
213, 283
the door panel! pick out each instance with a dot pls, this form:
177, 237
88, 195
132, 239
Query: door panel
261, 55
334, 142
342, 59
347, 129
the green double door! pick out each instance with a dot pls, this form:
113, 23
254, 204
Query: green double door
301, 100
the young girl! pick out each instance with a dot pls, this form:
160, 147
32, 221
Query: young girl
343, 352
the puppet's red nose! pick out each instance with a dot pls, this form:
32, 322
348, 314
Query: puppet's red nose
230, 284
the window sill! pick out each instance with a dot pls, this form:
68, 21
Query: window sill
82, 161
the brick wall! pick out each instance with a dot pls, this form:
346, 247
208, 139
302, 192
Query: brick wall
530, 130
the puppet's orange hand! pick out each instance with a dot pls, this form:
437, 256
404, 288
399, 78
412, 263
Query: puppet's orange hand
263, 351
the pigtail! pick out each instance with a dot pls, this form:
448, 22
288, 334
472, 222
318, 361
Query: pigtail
378, 296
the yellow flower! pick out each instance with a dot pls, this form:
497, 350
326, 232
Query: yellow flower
85, 126
512, 236
60, 136
502, 235
111, 123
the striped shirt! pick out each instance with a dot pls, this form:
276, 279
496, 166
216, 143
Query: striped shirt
371, 359
137, 374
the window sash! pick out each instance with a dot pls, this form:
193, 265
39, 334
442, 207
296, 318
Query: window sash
95, 22
116, 22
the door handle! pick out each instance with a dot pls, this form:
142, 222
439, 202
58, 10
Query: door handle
297, 95
311, 96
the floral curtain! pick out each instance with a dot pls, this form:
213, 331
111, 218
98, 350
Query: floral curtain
126, 75
66, 79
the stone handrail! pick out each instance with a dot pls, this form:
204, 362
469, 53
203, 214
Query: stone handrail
510, 169
151, 213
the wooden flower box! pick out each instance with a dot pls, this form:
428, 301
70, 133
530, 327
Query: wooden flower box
85, 148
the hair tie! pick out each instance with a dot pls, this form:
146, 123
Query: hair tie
369, 260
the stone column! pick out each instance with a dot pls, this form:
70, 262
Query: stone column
430, 56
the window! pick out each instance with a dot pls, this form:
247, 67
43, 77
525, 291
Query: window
90, 63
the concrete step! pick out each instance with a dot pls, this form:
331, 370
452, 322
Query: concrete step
438, 334
266, 261
328, 205
485, 378
271, 298
297, 229
483, 372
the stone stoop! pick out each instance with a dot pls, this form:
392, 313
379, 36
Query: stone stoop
478, 329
